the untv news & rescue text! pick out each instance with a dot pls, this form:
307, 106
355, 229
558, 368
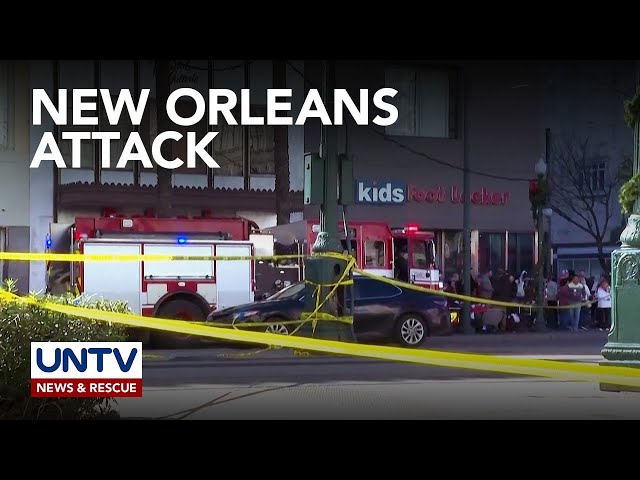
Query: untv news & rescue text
86, 369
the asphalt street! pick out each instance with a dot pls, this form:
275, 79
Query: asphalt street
238, 383
242, 366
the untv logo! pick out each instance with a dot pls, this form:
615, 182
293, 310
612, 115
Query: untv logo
393, 193
86, 369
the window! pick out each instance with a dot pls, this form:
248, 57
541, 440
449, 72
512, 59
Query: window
261, 145
426, 102
520, 253
423, 253
6, 91
227, 147
590, 266
490, 251
114, 76
374, 253
354, 248
367, 288
595, 177
76, 74
289, 292
453, 253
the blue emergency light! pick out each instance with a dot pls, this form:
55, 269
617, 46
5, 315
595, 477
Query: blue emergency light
48, 241
182, 240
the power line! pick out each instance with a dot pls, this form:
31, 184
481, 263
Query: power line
413, 151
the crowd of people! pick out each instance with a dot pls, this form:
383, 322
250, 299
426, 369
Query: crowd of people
575, 302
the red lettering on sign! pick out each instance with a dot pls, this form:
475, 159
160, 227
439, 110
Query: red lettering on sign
480, 197
433, 195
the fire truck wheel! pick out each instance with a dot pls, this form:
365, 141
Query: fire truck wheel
178, 309
411, 330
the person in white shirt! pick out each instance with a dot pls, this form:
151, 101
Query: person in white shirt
603, 295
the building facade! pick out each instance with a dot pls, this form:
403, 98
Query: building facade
244, 185
590, 143
420, 158
409, 173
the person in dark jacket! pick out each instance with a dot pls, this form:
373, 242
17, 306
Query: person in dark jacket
401, 264
503, 287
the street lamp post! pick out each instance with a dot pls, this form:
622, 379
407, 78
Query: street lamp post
540, 210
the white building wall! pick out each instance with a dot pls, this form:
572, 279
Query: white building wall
41, 180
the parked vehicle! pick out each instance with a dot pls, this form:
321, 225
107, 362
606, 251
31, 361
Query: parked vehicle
381, 312
407, 253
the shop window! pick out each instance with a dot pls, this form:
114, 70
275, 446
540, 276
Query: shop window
491, 251
453, 253
590, 266
374, 253
521, 253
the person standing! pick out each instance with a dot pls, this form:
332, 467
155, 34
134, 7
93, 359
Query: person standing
564, 301
603, 295
485, 286
576, 299
552, 301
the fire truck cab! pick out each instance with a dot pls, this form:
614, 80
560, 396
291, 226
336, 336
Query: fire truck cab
408, 253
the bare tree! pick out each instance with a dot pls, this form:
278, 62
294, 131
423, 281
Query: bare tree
584, 186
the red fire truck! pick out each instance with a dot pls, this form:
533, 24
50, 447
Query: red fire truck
377, 247
181, 289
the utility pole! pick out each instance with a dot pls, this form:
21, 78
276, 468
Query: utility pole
466, 219
323, 173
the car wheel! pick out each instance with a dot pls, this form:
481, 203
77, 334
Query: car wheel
276, 327
412, 330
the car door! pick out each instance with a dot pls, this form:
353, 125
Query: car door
375, 306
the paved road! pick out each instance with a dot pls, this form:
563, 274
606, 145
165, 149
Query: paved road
233, 383
238, 366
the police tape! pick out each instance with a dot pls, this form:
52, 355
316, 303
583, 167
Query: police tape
80, 257
90, 257
613, 375
476, 300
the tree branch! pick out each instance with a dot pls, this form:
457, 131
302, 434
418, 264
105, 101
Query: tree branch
575, 196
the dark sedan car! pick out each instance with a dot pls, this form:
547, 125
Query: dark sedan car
383, 312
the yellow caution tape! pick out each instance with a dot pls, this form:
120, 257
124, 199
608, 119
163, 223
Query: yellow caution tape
77, 257
622, 376
89, 257
477, 300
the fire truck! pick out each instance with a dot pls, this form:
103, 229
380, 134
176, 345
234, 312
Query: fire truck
407, 253
178, 289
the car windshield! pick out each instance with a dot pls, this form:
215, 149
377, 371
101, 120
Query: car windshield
288, 292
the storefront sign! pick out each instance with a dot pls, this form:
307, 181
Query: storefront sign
398, 193
392, 193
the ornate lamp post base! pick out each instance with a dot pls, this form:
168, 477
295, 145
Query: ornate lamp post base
623, 345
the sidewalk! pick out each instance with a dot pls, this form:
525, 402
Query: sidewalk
459, 399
